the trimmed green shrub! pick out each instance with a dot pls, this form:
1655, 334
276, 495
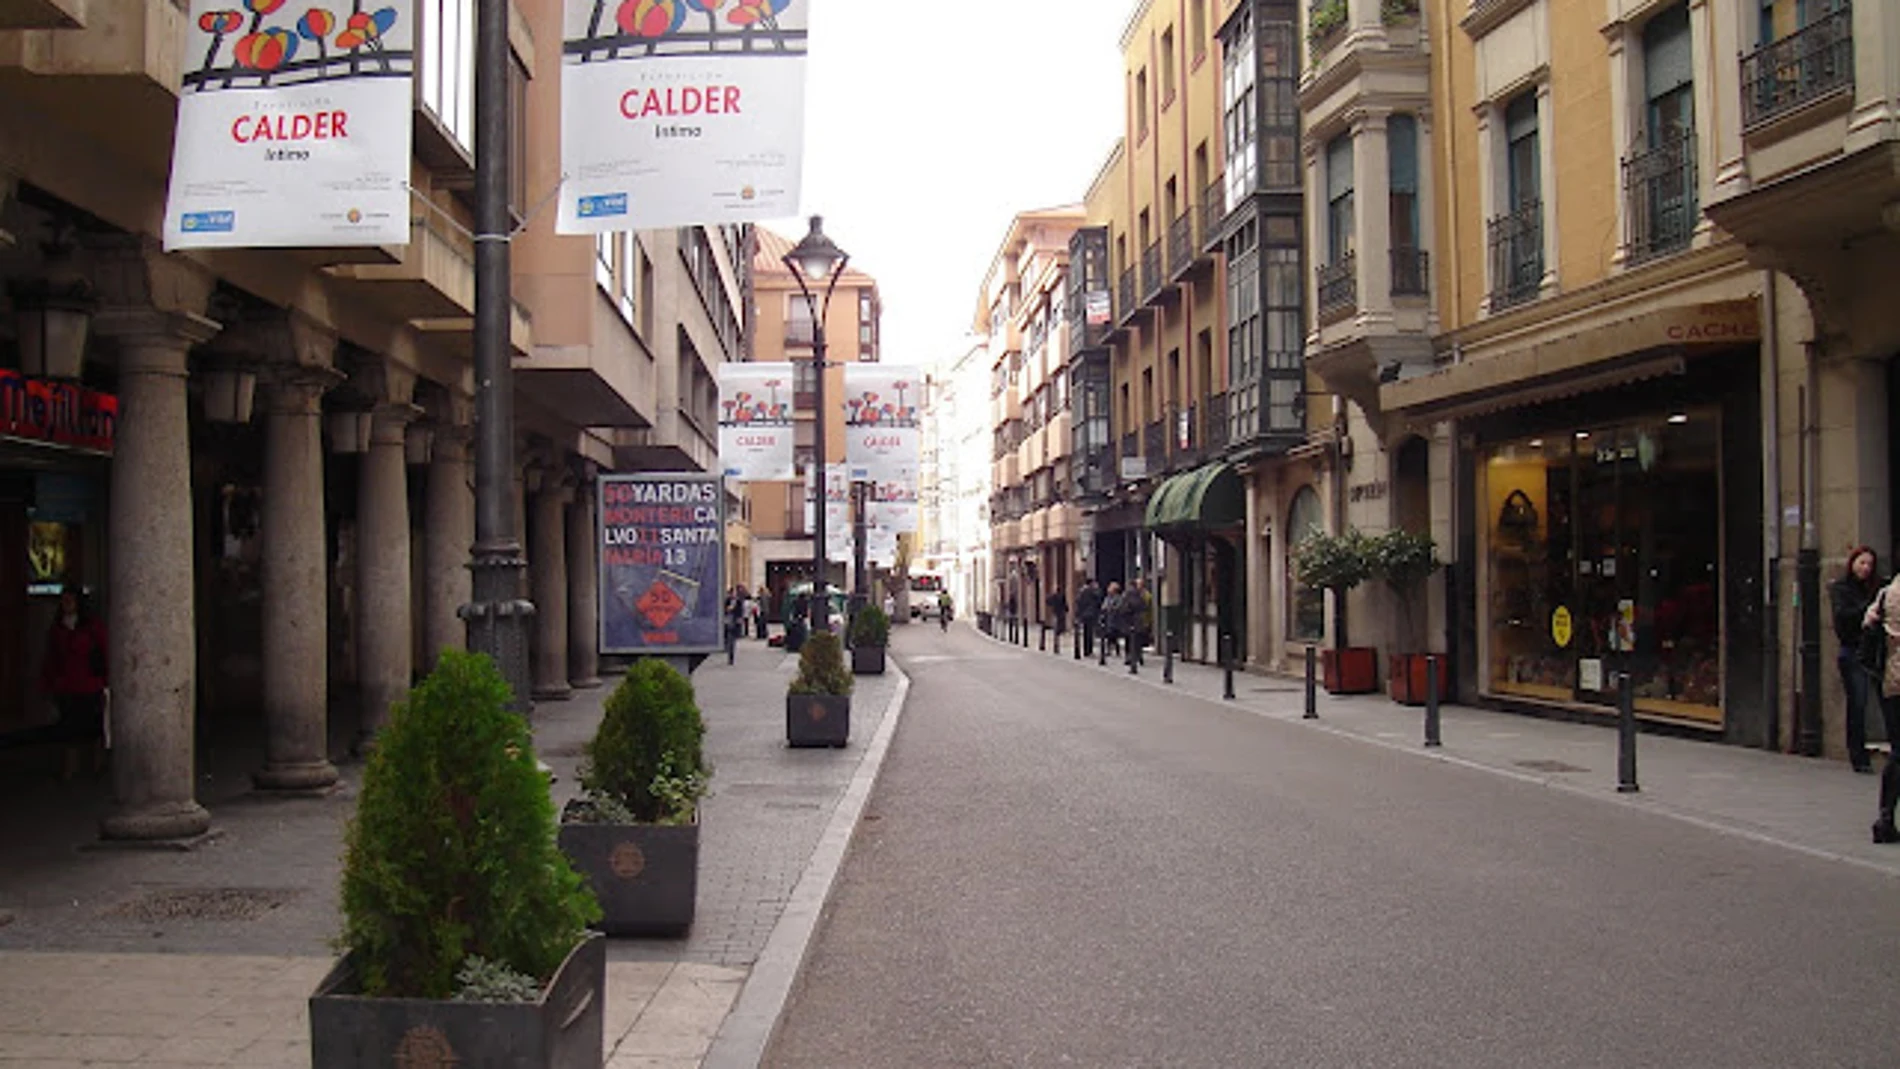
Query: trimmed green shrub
647, 755
451, 853
1402, 558
871, 627
1335, 562
821, 668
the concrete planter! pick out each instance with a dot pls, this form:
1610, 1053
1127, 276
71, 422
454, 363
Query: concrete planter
646, 876
817, 719
563, 1030
867, 660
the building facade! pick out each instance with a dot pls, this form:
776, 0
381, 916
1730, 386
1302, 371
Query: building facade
257, 461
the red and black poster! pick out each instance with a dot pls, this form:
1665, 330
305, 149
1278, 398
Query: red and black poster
662, 563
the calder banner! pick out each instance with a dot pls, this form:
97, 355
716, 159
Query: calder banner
838, 537
662, 563
681, 112
894, 501
295, 127
883, 425
755, 422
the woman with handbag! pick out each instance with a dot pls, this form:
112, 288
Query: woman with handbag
1884, 616
1851, 595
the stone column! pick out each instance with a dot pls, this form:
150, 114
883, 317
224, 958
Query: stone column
450, 527
583, 591
296, 598
153, 654
383, 638
547, 569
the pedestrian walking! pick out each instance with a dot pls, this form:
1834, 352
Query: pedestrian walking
736, 600
1057, 604
1850, 596
1088, 614
1884, 614
1112, 620
1141, 612
73, 674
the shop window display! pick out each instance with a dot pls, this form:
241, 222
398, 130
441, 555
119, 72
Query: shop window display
1603, 548
1306, 609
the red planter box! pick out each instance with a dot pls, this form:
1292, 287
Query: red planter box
1353, 670
1409, 685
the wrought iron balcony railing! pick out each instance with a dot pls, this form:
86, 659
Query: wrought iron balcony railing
799, 332
1411, 271
1214, 422
1151, 271
1659, 197
1127, 304
1806, 65
1181, 247
1516, 241
1338, 285
1155, 445
1213, 211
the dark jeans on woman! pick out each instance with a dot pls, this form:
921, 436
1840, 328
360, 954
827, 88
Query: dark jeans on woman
1859, 686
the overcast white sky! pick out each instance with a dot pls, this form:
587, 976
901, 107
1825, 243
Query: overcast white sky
928, 126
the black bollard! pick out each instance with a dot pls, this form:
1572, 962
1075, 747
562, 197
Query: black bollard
1075, 646
1101, 651
1431, 701
1042, 638
1056, 637
1167, 656
1227, 667
1312, 689
1134, 655
1625, 735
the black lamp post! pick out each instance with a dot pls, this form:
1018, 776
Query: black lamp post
817, 258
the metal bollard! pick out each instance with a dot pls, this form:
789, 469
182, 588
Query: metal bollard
1133, 648
1042, 638
1227, 667
1101, 651
1167, 656
1625, 735
1057, 638
1312, 691
1431, 701
1075, 644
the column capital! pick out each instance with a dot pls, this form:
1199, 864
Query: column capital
135, 272
297, 389
389, 423
152, 341
278, 336
380, 380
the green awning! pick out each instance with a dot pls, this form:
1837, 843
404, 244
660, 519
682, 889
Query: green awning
1210, 496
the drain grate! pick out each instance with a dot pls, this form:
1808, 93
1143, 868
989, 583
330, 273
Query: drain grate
201, 904
1544, 765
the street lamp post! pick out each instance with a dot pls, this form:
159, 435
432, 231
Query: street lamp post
816, 258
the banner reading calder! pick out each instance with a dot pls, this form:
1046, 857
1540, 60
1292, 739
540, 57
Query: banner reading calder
662, 558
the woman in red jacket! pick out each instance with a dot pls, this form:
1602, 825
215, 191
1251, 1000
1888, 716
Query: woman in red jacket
73, 673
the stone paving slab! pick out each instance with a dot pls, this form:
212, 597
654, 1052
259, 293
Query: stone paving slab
208, 957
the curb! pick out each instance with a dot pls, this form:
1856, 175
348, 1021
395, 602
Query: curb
748, 1029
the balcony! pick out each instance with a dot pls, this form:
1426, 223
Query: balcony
1807, 65
1187, 436
1411, 272
1659, 198
1213, 212
1155, 446
1516, 243
1151, 280
1214, 423
1126, 305
800, 332
1181, 247
1337, 287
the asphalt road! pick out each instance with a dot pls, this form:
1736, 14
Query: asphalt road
1058, 868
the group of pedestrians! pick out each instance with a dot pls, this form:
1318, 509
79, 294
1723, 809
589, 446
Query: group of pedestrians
1867, 623
1122, 620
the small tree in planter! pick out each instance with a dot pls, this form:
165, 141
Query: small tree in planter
1405, 559
1338, 563
455, 897
634, 832
870, 635
818, 702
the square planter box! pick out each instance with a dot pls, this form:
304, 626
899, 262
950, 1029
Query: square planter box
867, 660
646, 876
563, 1030
817, 719
1408, 682
1353, 670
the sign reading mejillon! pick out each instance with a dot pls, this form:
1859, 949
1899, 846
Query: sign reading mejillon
295, 128
668, 120
662, 560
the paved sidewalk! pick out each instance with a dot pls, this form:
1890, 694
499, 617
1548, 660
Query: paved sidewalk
207, 957
1814, 806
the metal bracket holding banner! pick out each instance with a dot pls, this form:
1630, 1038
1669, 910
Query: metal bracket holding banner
662, 545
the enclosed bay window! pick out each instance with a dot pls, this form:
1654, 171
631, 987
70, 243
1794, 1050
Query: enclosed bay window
1409, 264
445, 76
1339, 237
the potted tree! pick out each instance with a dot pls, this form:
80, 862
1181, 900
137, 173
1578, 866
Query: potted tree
465, 934
870, 635
1338, 563
634, 832
1405, 559
818, 702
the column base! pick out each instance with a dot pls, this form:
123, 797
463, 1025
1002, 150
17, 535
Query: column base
158, 824
312, 777
590, 683
559, 692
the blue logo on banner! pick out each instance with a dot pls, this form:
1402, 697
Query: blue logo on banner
208, 222
604, 204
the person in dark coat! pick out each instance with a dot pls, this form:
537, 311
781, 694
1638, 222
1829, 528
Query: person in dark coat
1057, 603
1088, 614
73, 674
1849, 596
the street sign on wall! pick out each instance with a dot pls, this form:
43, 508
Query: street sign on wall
662, 563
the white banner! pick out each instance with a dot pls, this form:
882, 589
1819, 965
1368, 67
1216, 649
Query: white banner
883, 406
755, 422
880, 547
668, 120
294, 129
896, 501
838, 541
